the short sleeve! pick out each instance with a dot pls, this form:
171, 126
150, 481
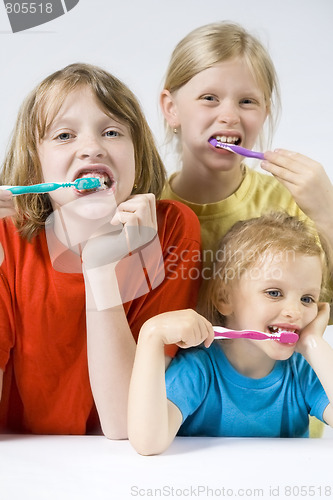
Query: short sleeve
186, 380
314, 394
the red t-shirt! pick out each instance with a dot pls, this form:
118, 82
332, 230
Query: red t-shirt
43, 354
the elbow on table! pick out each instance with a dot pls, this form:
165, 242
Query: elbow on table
115, 433
148, 445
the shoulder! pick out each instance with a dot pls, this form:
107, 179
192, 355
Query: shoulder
301, 368
174, 216
9, 234
14, 244
176, 209
268, 193
200, 359
264, 180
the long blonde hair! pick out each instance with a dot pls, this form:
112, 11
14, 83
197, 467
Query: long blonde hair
22, 166
213, 43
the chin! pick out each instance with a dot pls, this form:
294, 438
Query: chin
95, 210
282, 356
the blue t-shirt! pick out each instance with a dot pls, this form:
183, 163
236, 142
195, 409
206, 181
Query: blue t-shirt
216, 400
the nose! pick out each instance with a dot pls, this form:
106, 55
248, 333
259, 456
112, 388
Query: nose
228, 112
292, 309
91, 146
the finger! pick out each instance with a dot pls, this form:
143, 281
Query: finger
138, 212
210, 336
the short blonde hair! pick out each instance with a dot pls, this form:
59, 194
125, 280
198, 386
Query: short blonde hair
248, 241
22, 166
213, 43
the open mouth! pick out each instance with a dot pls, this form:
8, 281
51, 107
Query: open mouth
106, 181
278, 330
232, 139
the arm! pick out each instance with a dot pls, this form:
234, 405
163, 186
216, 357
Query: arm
319, 354
308, 183
110, 343
153, 421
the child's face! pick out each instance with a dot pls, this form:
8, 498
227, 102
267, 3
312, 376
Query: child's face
222, 101
279, 292
82, 141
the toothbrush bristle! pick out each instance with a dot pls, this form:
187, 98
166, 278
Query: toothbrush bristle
87, 183
288, 337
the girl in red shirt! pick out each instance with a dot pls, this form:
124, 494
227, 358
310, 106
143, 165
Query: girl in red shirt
82, 270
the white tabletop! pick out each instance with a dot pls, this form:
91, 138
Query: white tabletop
94, 468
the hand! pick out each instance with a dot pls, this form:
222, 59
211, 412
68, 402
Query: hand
314, 331
6, 204
133, 225
185, 328
306, 180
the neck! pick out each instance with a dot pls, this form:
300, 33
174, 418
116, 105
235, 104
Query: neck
247, 359
197, 186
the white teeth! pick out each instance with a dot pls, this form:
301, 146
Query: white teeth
276, 329
229, 139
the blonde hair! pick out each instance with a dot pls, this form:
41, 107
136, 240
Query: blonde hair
22, 165
213, 43
247, 242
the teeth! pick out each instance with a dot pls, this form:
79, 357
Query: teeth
228, 140
105, 181
277, 330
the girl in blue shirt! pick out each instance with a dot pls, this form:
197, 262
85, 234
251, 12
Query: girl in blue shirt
271, 275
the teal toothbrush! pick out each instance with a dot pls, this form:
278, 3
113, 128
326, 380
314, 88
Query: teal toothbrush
46, 187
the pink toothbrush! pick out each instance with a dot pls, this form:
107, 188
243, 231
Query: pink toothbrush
225, 333
236, 149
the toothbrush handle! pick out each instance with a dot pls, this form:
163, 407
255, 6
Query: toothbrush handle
245, 334
247, 152
45, 187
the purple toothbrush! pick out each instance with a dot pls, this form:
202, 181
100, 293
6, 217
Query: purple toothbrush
225, 333
236, 149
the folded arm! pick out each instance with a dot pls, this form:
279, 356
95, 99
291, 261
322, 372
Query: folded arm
153, 421
319, 354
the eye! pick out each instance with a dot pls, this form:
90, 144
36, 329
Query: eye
274, 294
209, 98
64, 136
307, 300
111, 133
249, 102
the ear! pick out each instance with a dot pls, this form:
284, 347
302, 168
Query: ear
224, 308
223, 304
169, 108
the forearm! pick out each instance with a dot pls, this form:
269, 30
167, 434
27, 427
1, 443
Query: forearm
320, 356
111, 351
148, 419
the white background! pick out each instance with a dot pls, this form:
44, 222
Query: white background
134, 39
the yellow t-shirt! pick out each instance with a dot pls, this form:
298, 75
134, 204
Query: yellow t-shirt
258, 194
